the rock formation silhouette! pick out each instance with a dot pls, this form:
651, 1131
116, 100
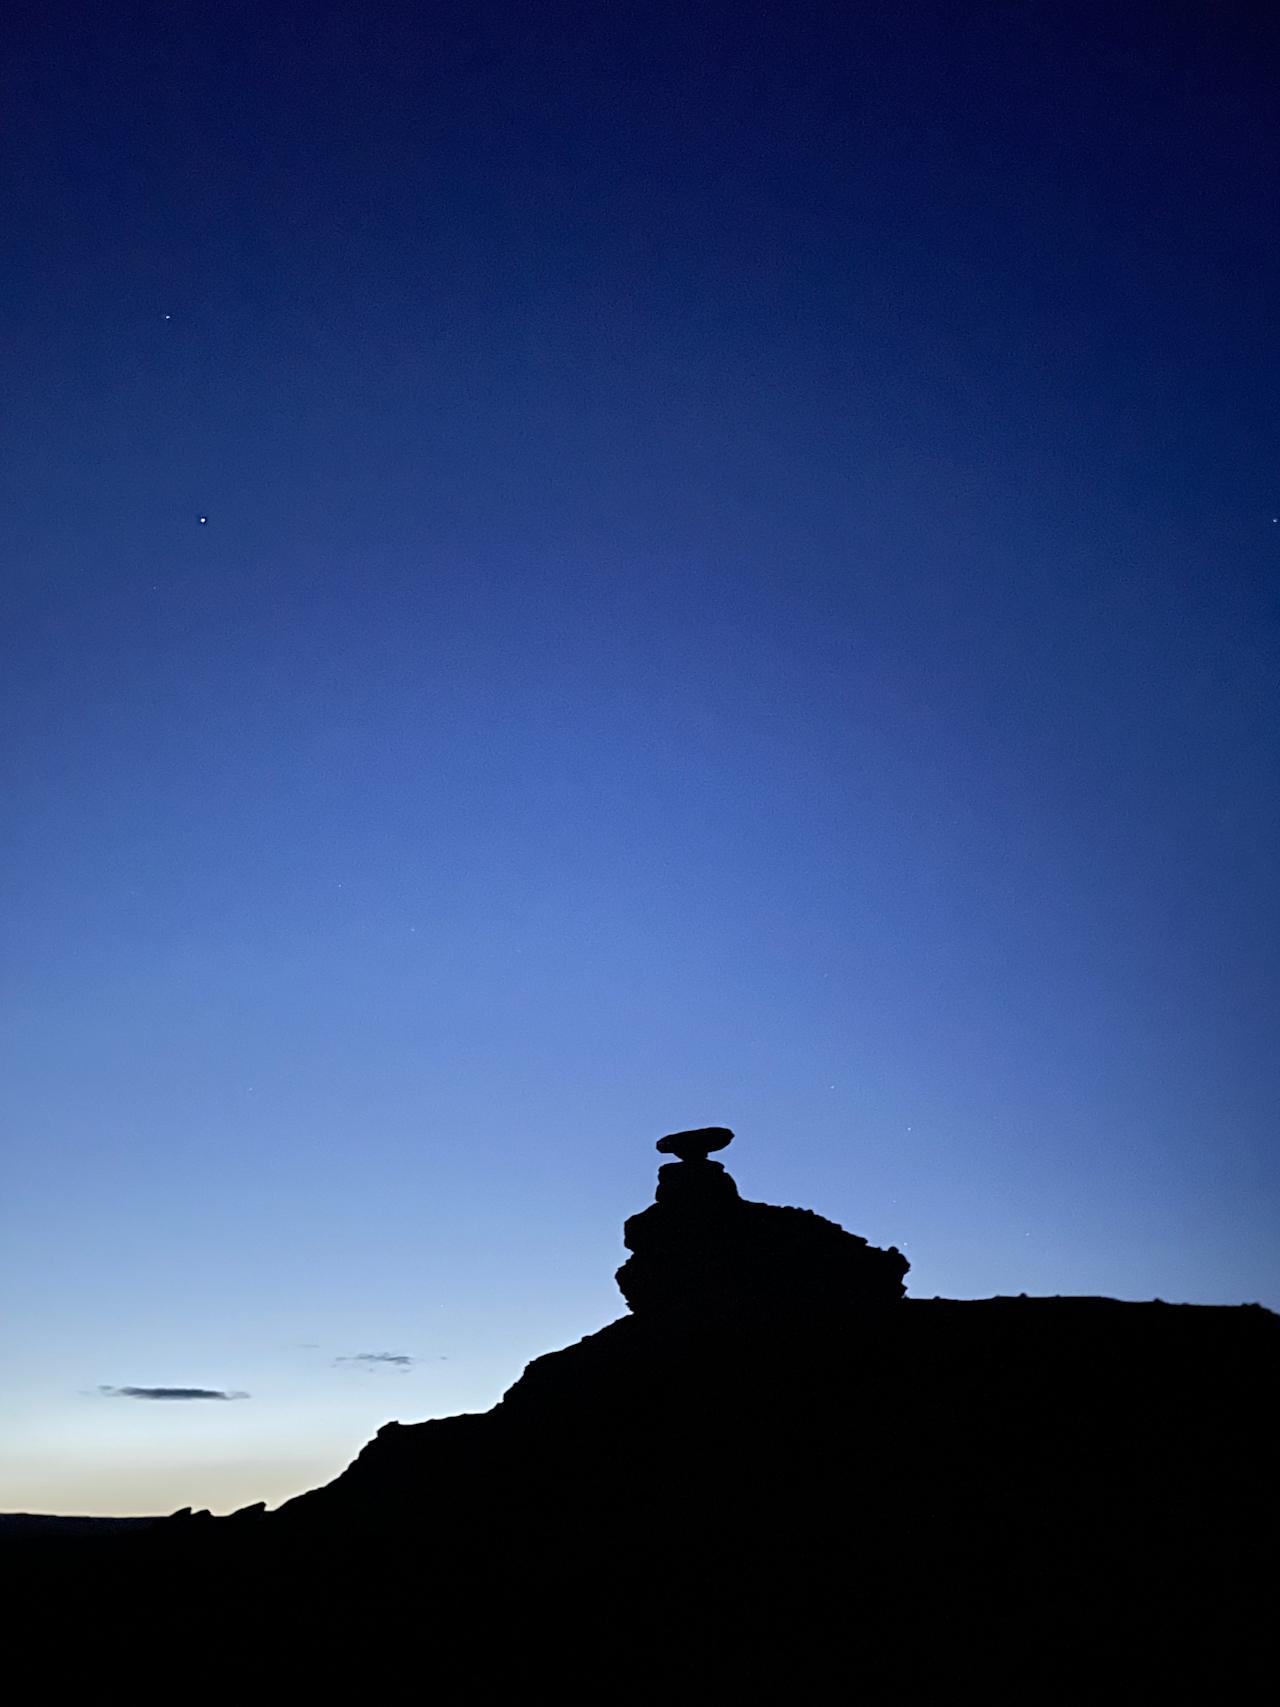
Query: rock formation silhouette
775, 1473
699, 1251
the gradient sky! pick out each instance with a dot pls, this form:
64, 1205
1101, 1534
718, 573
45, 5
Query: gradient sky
740, 586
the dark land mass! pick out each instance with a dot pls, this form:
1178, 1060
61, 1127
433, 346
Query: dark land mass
30, 1525
776, 1475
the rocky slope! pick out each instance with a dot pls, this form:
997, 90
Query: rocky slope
778, 1469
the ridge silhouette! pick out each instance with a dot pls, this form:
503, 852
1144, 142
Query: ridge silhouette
775, 1469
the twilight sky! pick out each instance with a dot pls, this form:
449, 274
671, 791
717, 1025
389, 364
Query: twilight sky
739, 586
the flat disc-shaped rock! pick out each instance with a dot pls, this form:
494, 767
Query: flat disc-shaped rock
697, 1145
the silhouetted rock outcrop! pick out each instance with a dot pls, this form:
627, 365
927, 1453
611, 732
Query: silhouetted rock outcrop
701, 1252
777, 1473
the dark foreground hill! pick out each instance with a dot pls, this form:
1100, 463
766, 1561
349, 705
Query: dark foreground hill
28, 1526
777, 1475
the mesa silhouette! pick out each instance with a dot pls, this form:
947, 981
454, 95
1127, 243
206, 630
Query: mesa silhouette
775, 1471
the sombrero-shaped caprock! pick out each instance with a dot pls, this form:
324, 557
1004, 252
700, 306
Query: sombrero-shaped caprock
697, 1145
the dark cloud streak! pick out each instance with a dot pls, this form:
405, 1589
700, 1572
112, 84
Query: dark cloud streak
398, 1359
169, 1393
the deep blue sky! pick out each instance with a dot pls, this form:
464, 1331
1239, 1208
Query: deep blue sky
740, 586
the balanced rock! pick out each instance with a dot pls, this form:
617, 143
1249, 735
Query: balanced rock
701, 1252
696, 1145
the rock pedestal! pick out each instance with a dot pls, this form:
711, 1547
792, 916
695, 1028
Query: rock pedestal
701, 1252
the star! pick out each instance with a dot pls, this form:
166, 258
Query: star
203, 520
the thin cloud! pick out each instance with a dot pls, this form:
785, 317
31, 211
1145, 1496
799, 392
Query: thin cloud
169, 1393
373, 1359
